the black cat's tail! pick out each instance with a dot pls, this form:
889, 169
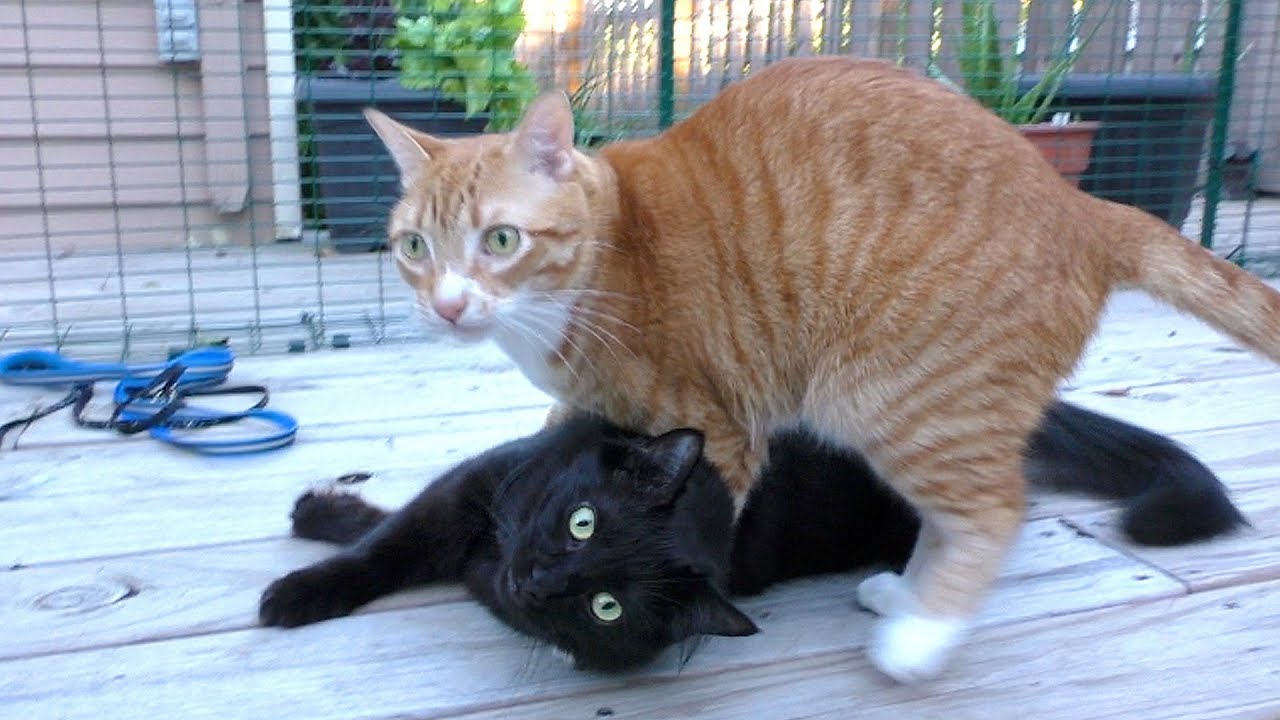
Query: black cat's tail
1170, 497
335, 517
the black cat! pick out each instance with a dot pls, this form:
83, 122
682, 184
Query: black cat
612, 546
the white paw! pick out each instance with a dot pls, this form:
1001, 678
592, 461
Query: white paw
913, 648
886, 594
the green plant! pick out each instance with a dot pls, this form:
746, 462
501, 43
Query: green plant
465, 49
588, 129
990, 68
343, 36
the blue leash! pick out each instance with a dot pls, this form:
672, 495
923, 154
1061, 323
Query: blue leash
152, 398
49, 369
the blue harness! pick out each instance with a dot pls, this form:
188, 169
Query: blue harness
152, 398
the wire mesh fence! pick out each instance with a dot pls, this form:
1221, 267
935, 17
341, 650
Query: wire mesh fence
183, 171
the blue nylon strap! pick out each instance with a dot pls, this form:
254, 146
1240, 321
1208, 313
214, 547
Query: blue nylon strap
44, 368
283, 431
153, 397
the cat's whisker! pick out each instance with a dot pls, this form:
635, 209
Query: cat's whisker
554, 348
605, 316
528, 334
550, 325
595, 328
586, 324
688, 647
581, 353
584, 317
602, 244
570, 292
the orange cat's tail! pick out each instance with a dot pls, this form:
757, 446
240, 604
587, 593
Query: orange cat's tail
1157, 259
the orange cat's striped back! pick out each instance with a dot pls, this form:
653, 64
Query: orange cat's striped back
834, 242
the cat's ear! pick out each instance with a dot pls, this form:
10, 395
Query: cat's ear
544, 139
674, 454
411, 149
713, 614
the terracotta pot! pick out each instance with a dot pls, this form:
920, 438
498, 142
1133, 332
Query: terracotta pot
1066, 147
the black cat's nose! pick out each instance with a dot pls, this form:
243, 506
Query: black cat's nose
538, 586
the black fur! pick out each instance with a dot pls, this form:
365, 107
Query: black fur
499, 523
663, 527
1171, 497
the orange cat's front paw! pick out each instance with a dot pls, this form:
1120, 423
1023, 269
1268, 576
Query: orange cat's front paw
914, 648
886, 594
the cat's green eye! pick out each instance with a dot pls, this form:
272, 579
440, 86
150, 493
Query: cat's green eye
501, 239
605, 607
582, 522
413, 245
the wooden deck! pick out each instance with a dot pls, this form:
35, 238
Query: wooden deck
134, 570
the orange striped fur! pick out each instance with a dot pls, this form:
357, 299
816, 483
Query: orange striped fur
835, 242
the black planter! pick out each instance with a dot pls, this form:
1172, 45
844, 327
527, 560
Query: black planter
1147, 150
355, 180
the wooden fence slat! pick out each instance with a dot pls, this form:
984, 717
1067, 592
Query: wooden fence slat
906, 29
950, 31
1256, 105
223, 77
718, 41
1162, 37
831, 14
866, 25
1215, 30
1106, 24
1048, 23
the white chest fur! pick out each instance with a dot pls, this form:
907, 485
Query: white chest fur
533, 337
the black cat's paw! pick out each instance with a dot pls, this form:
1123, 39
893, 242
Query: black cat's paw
335, 517
305, 596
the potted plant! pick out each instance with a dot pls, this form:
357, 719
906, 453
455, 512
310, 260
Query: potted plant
990, 72
343, 59
465, 49
445, 66
588, 128
1151, 127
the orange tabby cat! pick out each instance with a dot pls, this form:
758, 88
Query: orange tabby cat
835, 242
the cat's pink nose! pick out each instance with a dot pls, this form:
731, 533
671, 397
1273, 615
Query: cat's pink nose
450, 308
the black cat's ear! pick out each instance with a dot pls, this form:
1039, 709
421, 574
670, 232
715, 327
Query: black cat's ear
713, 614
673, 454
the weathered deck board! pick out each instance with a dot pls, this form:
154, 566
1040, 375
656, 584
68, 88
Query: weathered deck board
1053, 571
139, 567
159, 595
121, 600
341, 402
1248, 461
1188, 406
1202, 656
235, 494
148, 466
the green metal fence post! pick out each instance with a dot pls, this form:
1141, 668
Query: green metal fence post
1221, 117
667, 64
